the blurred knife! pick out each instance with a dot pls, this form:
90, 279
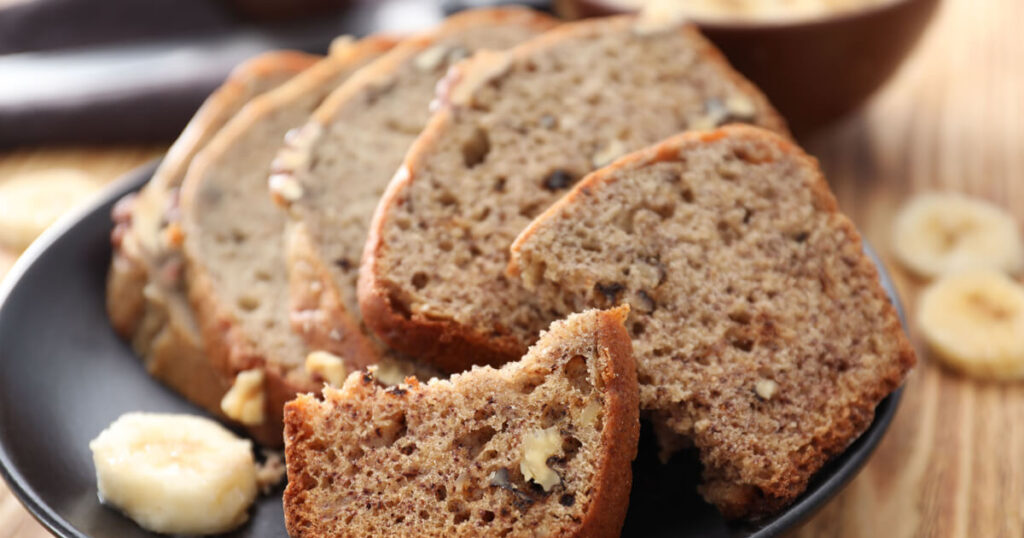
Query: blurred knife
146, 91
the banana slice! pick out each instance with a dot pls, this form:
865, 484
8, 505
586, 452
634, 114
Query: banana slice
974, 321
938, 234
175, 474
31, 202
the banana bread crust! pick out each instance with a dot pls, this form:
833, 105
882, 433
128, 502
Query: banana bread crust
157, 321
229, 345
385, 301
311, 510
313, 254
731, 480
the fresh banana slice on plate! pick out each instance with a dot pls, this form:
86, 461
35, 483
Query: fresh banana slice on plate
974, 322
31, 202
175, 474
942, 233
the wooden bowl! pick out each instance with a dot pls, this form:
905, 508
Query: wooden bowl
813, 70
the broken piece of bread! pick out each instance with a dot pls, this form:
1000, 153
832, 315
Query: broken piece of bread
541, 446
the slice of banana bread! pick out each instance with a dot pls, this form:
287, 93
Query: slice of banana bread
145, 298
332, 173
760, 329
541, 447
516, 130
233, 250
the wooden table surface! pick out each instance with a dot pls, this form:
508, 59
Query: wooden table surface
952, 463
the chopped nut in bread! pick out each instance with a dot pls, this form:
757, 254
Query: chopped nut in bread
326, 366
538, 446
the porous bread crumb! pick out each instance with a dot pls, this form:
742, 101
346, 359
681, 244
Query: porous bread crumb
519, 129
446, 458
760, 328
236, 278
362, 132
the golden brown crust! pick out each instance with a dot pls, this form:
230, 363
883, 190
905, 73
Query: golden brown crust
409, 336
309, 423
740, 500
129, 271
607, 511
449, 345
298, 429
160, 331
227, 345
443, 344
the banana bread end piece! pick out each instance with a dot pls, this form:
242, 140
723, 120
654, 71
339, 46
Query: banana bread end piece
542, 443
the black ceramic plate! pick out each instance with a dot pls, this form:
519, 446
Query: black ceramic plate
64, 376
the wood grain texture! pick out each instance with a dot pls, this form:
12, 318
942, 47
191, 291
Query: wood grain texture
952, 463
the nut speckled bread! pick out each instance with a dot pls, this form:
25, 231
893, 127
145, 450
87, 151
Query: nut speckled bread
234, 268
760, 329
333, 171
145, 298
516, 130
540, 447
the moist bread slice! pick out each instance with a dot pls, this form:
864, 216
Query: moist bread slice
516, 130
234, 267
145, 298
332, 173
760, 329
541, 447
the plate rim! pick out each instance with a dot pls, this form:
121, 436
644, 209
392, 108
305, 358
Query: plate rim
129, 182
800, 511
